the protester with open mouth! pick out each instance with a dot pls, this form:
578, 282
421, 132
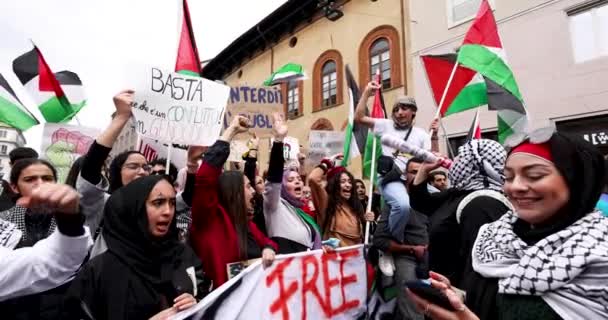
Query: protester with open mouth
146, 269
548, 255
339, 211
287, 220
222, 231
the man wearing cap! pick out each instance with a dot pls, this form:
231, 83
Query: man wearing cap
393, 163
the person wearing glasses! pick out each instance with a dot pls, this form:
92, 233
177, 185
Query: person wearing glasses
124, 168
547, 256
455, 215
159, 166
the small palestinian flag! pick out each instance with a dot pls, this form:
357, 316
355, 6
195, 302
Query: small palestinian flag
286, 73
467, 89
475, 130
187, 61
59, 96
378, 112
482, 52
12, 111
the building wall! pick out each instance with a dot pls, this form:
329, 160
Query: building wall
537, 39
10, 139
344, 35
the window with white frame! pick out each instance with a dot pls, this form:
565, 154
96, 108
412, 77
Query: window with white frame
293, 99
3, 149
329, 82
3, 133
461, 11
380, 60
589, 33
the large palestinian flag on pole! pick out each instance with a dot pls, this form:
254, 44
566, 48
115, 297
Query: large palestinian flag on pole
59, 96
482, 52
355, 135
187, 61
467, 89
12, 111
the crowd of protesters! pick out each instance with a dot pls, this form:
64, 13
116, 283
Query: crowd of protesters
507, 232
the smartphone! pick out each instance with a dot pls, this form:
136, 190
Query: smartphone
424, 289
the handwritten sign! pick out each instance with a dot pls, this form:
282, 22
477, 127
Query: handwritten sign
257, 104
306, 285
176, 108
324, 144
237, 149
62, 144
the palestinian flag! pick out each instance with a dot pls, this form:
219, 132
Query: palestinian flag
467, 89
286, 73
378, 112
356, 135
482, 52
59, 96
12, 111
187, 61
475, 130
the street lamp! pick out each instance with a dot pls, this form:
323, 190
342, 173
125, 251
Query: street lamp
332, 12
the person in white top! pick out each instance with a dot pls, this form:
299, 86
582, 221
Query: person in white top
52, 261
393, 163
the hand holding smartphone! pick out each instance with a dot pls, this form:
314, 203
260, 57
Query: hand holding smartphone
424, 289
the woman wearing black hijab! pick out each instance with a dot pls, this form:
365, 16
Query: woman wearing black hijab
549, 256
146, 270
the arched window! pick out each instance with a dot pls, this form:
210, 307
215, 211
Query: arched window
327, 80
329, 83
380, 50
322, 124
292, 102
380, 60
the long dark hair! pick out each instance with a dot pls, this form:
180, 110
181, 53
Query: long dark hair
334, 199
232, 199
23, 164
115, 168
74, 172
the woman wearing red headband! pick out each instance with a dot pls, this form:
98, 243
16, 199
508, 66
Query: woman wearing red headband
549, 256
340, 214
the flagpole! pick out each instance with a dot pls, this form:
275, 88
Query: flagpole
168, 164
445, 92
371, 188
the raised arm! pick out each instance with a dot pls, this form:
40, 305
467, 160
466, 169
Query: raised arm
434, 129
360, 111
205, 200
421, 199
251, 158
272, 194
319, 195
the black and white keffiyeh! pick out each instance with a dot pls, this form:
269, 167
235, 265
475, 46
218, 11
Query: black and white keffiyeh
17, 216
567, 269
9, 234
479, 161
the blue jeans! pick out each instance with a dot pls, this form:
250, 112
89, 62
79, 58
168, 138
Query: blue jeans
396, 197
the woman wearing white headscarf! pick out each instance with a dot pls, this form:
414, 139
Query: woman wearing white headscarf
455, 215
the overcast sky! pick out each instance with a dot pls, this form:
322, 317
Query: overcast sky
105, 41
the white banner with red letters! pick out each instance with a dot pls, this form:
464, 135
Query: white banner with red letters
306, 285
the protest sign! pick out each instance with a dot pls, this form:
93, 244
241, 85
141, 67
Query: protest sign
306, 285
324, 144
62, 144
291, 148
257, 104
237, 149
179, 153
177, 108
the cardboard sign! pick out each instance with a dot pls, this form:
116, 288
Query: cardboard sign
237, 149
62, 144
305, 285
257, 104
324, 144
177, 108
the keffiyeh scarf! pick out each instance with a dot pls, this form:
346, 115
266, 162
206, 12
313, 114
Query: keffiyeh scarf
17, 216
567, 269
478, 161
9, 234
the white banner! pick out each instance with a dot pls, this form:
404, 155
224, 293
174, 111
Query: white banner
179, 153
306, 285
176, 108
324, 144
62, 144
237, 149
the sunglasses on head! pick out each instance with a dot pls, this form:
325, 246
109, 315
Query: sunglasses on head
537, 136
157, 172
